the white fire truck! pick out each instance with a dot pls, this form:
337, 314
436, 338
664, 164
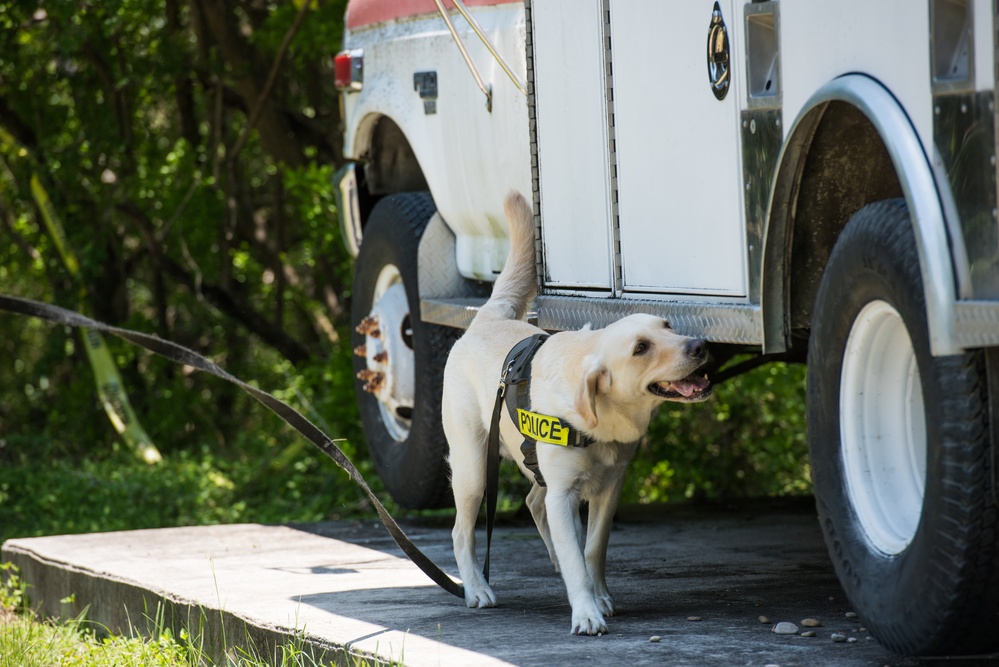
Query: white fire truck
797, 178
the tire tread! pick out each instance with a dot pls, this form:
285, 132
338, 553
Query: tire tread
954, 606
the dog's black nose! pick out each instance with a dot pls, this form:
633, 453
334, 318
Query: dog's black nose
697, 349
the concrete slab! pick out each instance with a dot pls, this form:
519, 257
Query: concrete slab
344, 589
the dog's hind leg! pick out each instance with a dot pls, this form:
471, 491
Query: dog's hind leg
536, 503
468, 480
598, 528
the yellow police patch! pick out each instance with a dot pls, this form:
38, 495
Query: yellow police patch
542, 428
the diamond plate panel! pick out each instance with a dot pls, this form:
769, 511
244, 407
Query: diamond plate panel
720, 323
438, 271
456, 313
976, 323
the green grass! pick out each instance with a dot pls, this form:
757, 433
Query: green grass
26, 641
29, 641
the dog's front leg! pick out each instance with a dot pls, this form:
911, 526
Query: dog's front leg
562, 506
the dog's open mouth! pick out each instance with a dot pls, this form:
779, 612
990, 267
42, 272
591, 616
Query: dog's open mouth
691, 388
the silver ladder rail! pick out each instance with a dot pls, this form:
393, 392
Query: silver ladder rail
486, 90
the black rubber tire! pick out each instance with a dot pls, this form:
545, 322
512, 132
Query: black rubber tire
938, 595
414, 471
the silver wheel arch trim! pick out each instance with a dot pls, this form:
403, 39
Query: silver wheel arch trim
919, 187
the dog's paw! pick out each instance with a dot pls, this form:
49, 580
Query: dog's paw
589, 623
477, 597
605, 604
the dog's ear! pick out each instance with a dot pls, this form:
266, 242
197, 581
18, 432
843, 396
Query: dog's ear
596, 379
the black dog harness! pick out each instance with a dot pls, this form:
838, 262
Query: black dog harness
515, 387
534, 426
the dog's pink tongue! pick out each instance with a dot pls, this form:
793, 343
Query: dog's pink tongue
690, 385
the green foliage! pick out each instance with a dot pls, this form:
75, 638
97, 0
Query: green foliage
187, 224
12, 589
746, 441
26, 641
267, 474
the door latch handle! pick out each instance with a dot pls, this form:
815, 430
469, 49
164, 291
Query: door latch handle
719, 65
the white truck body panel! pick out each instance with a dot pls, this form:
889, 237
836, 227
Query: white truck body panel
468, 182
879, 35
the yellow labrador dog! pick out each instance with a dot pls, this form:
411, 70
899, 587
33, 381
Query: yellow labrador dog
605, 383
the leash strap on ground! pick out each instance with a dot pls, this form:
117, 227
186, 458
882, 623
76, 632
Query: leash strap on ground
182, 355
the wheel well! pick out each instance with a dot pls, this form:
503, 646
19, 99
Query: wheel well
841, 165
390, 164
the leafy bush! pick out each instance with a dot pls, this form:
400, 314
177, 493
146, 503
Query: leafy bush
117, 493
746, 441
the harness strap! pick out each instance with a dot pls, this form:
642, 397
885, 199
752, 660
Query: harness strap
492, 474
515, 387
518, 402
295, 419
513, 372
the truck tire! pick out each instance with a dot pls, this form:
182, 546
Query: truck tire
900, 449
399, 359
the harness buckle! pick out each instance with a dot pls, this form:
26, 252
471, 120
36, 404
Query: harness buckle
502, 383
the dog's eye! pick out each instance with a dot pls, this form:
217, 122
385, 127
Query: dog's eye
641, 347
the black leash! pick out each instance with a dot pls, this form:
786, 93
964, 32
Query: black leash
295, 419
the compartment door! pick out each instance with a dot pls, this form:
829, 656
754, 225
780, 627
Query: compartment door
678, 157
572, 142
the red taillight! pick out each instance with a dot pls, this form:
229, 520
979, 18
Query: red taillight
348, 70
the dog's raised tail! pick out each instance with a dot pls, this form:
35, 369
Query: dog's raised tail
516, 285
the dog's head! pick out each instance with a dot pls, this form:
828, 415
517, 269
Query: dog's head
638, 363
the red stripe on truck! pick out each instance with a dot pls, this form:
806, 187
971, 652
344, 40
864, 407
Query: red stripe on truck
365, 12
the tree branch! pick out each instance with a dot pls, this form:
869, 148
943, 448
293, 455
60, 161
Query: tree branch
258, 105
275, 135
219, 296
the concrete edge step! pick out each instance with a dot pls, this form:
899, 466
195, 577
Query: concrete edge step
247, 587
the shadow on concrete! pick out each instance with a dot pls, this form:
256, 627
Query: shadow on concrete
696, 578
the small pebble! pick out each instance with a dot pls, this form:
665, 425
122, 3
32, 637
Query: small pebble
861, 629
655, 639
785, 628
839, 638
811, 623
851, 640
808, 633
694, 618
765, 620
851, 614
